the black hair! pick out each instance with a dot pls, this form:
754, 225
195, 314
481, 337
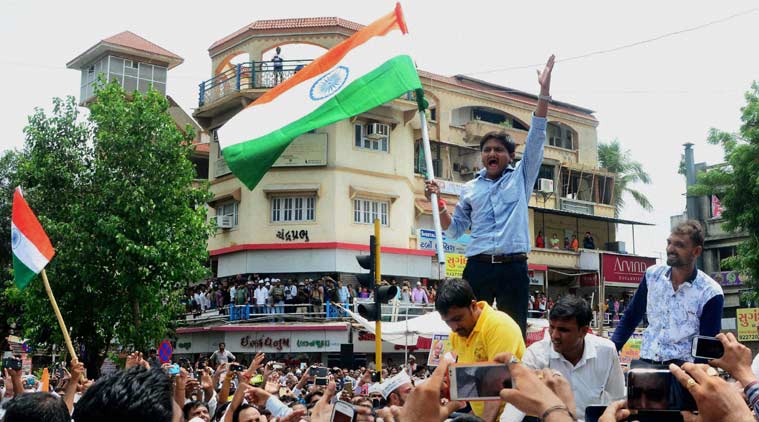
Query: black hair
236, 414
31, 407
453, 292
572, 307
501, 137
137, 394
192, 405
693, 230
311, 395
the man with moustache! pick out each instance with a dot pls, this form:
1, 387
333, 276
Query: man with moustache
493, 207
680, 302
590, 363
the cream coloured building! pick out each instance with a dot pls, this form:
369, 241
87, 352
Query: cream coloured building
311, 213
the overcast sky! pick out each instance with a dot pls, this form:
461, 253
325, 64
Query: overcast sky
653, 97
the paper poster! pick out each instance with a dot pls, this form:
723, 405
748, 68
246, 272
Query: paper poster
440, 346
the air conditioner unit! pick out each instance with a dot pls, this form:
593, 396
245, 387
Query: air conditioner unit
545, 185
377, 130
224, 222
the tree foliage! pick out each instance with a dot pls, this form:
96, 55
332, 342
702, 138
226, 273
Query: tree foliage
736, 183
628, 172
115, 194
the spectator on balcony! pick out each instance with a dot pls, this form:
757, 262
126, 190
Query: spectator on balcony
494, 207
364, 294
262, 295
588, 242
405, 295
241, 295
278, 297
418, 295
575, 243
291, 292
277, 64
555, 241
343, 295
539, 241
566, 243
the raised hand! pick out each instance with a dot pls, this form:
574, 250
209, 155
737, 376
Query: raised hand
544, 77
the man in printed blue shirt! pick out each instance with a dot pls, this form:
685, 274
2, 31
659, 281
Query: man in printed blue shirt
680, 302
493, 207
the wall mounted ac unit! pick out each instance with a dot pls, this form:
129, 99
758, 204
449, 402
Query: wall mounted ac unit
377, 130
224, 221
545, 185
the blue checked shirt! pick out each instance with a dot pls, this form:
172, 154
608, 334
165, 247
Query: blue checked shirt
496, 211
674, 317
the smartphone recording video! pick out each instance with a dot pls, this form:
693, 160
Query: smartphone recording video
707, 348
657, 389
342, 412
478, 381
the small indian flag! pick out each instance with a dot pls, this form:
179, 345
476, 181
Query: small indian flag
366, 70
31, 247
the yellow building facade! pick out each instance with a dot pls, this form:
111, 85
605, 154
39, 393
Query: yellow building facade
312, 212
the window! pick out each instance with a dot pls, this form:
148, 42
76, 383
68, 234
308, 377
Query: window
366, 210
420, 165
433, 114
560, 136
227, 209
292, 208
362, 141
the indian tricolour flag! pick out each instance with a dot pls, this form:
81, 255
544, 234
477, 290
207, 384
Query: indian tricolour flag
366, 70
31, 247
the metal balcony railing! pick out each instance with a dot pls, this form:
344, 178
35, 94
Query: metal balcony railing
254, 75
248, 75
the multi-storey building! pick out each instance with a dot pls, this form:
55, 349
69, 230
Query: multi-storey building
312, 211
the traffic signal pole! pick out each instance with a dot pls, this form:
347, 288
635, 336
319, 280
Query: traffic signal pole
378, 304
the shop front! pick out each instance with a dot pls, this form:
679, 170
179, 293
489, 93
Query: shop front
290, 343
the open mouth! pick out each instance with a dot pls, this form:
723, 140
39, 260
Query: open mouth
492, 162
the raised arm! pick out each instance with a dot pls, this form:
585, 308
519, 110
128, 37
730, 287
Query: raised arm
544, 79
632, 316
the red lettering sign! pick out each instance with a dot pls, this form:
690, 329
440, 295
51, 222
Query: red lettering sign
624, 268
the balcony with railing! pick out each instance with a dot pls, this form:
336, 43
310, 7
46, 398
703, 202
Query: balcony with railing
244, 76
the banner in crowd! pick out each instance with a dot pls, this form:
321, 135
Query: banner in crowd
631, 350
746, 319
440, 346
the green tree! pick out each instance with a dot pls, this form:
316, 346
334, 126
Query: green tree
737, 186
9, 312
628, 172
116, 196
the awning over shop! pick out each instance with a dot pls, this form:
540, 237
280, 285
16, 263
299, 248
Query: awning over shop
589, 216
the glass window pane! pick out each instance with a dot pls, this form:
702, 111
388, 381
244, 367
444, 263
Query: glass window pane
367, 143
384, 144
117, 66
375, 145
357, 135
146, 71
159, 74
160, 87
143, 85
356, 211
129, 70
130, 84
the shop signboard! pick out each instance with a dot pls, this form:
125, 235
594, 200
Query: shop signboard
624, 270
631, 350
727, 278
746, 320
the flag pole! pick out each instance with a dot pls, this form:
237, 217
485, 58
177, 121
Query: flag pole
58, 315
433, 197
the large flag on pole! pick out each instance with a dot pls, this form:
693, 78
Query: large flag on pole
32, 249
366, 70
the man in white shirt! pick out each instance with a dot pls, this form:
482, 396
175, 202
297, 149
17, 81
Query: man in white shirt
590, 363
262, 293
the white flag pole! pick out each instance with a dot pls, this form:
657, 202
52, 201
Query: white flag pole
433, 197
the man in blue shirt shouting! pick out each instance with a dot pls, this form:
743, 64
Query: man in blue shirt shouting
493, 207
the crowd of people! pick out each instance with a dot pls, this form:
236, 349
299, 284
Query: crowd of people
271, 295
573, 244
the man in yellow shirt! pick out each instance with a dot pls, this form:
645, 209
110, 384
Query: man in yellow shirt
479, 333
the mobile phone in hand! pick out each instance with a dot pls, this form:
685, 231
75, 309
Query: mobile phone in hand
707, 348
342, 412
236, 367
12, 363
656, 390
478, 381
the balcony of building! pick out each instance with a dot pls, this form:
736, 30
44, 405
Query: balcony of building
228, 92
